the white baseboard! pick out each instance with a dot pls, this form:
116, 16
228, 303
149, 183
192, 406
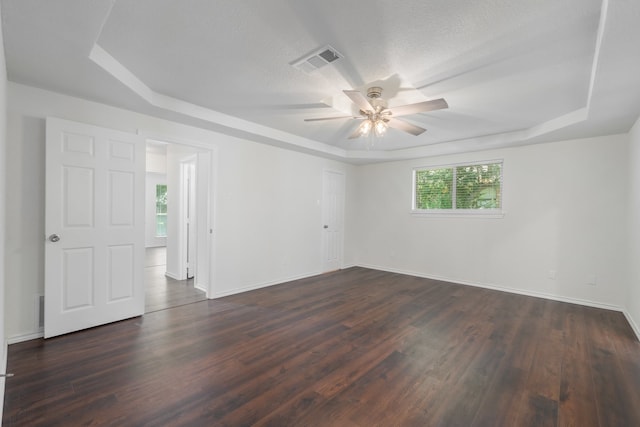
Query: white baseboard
262, 285
544, 295
632, 323
25, 337
172, 276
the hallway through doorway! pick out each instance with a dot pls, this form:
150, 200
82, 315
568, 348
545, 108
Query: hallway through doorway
162, 292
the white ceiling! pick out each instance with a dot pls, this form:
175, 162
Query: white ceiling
513, 71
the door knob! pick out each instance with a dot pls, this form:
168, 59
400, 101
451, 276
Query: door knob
326, 226
54, 238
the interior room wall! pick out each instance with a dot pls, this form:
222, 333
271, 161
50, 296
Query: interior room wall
3, 229
156, 162
633, 294
25, 222
564, 224
266, 201
351, 219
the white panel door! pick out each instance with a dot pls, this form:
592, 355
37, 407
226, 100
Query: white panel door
188, 224
94, 248
332, 216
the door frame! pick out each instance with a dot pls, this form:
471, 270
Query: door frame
209, 204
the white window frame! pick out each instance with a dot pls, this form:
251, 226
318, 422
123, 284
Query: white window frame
453, 212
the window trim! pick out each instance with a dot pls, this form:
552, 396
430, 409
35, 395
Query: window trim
454, 212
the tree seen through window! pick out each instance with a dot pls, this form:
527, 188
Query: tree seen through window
465, 187
161, 210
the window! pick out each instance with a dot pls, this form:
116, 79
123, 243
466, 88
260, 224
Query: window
467, 188
161, 210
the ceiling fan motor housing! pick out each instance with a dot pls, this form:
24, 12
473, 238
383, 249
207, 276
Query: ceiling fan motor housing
374, 92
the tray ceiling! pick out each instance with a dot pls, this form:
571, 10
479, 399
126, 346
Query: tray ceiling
512, 72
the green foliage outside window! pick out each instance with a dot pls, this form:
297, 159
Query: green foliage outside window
434, 189
476, 186
161, 210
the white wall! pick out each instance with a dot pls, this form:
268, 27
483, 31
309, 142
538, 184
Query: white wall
153, 180
3, 149
156, 163
565, 209
633, 294
25, 221
272, 214
267, 217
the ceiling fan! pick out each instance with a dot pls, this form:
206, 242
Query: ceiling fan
376, 116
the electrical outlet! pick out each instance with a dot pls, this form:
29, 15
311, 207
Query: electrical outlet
592, 280
552, 274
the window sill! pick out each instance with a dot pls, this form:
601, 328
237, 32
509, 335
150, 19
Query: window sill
456, 214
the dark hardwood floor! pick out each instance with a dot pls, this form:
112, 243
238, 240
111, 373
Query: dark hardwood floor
162, 292
356, 347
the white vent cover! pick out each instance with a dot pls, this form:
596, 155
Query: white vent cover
318, 59
40, 311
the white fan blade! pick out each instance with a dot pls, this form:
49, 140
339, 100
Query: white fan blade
355, 134
420, 107
405, 126
359, 99
330, 118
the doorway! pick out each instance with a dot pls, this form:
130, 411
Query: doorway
171, 277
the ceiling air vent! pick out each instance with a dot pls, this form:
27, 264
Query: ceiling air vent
317, 59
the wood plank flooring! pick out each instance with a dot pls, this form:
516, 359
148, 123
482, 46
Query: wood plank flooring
357, 347
162, 292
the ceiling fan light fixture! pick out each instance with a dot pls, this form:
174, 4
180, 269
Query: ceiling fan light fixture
380, 127
377, 125
365, 127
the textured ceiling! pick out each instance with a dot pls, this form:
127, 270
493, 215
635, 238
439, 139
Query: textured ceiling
513, 72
